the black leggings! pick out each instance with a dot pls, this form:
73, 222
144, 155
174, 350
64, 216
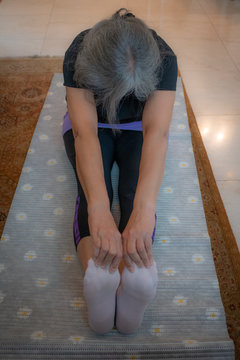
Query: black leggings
126, 149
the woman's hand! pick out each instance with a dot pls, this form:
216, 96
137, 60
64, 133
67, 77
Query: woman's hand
137, 238
106, 238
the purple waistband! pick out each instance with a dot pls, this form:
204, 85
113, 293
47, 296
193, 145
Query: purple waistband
66, 124
134, 125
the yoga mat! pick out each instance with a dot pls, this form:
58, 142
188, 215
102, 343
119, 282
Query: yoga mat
43, 314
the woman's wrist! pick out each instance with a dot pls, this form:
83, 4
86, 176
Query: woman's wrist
142, 205
98, 206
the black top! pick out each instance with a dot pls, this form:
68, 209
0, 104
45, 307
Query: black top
130, 108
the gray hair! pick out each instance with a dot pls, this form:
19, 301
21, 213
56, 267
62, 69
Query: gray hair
118, 57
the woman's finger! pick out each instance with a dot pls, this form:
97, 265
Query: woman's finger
119, 247
117, 259
96, 253
107, 260
97, 246
128, 263
142, 252
115, 263
148, 247
136, 259
114, 250
102, 253
124, 245
133, 255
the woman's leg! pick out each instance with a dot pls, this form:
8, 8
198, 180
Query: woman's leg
99, 285
137, 289
128, 156
81, 234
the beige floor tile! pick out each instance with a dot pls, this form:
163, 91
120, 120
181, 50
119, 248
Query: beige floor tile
221, 137
222, 11
55, 47
212, 92
169, 10
184, 29
229, 31
202, 54
87, 11
234, 50
26, 7
65, 30
26, 27
16, 48
59, 36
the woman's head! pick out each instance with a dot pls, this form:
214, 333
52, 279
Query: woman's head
118, 56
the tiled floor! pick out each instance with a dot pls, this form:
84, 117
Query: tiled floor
205, 35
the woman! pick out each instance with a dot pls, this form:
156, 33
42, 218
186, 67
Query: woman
120, 79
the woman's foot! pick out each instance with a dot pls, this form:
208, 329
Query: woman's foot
136, 291
100, 293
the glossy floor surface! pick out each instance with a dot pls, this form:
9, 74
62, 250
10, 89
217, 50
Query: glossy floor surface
204, 34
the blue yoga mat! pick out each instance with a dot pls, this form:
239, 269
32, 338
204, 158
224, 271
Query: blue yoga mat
43, 314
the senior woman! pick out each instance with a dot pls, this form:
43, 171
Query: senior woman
120, 78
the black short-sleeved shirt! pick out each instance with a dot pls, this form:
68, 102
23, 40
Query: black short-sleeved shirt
130, 108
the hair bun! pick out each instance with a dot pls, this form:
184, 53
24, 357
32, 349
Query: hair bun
129, 15
126, 14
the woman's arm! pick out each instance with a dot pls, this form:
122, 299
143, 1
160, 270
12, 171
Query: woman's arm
83, 115
89, 165
156, 121
137, 236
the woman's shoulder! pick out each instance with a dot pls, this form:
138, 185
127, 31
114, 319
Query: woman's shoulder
163, 46
75, 44
168, 70
70, 58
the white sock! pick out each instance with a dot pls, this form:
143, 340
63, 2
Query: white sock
100, 293
136, 291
